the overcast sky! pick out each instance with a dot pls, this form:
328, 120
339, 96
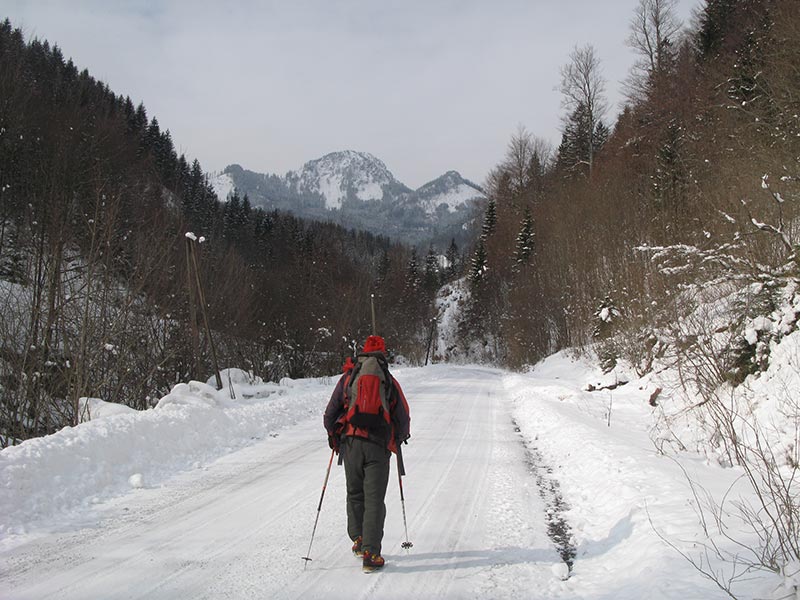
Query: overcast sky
424, 85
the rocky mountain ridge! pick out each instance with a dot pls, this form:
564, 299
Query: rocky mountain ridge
357, 190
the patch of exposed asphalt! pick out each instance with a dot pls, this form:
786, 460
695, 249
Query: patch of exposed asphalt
558, 528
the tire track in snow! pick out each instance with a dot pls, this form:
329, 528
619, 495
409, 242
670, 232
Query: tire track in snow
417, 395
461, 517
463, 548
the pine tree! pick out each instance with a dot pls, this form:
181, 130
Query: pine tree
152, 134
412, 274
384, 264
535, 173
431, 277
599, 137
523, 249
606, 316
193, 197
232, 217
670, 180
489, 219
580, 142
479, 264
138, 124
246, 210
453, 269
715, 20
574, 148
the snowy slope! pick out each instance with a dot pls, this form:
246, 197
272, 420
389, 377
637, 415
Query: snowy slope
450, 191
341, 175
229, 492
223, 185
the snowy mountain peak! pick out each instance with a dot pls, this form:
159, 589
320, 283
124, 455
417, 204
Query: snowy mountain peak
343, 175
448, 192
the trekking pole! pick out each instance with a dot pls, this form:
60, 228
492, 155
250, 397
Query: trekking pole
319, 508
405, 545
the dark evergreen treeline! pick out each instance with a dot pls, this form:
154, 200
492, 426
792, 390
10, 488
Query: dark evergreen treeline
94, 204
702, 161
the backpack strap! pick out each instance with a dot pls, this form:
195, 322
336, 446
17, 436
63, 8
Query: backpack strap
387, 377
349, 391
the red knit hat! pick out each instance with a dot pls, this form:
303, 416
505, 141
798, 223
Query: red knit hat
375, 343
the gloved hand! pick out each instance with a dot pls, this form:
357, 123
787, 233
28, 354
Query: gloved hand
333, 443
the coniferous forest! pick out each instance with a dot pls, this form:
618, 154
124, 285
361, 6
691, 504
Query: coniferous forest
635, 215
95, 301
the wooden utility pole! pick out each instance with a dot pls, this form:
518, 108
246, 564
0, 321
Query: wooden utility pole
192, 258
190, 286
372, 305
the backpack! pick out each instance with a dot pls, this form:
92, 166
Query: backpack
368, 393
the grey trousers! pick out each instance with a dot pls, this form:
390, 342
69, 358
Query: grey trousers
366, 468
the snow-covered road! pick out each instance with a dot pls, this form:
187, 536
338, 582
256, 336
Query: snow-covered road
208, 497
237, 528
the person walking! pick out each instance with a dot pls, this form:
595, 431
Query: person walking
367, 418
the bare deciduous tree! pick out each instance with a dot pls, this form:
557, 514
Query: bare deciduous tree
654, 28
583, 88
519, 178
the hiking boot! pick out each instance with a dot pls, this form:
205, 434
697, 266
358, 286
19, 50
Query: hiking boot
357, 548
372, 562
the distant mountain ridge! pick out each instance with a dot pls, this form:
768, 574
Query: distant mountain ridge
357, 190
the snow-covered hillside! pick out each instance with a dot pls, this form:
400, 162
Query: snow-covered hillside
511, 478
450, 190
339, 176
223, 185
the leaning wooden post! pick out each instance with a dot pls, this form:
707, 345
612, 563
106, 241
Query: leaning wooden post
190, 284
202, 298
372, 304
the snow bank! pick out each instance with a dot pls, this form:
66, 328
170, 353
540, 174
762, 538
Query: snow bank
94, 408
761, 349
117, 448
626, 502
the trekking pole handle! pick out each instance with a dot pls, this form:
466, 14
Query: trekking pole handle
401, 464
